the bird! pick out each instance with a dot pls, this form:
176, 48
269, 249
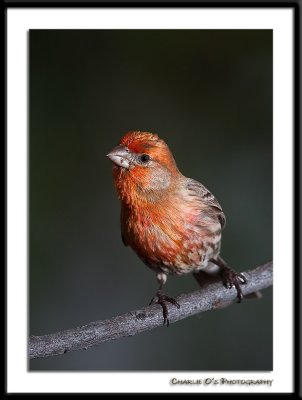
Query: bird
173, 223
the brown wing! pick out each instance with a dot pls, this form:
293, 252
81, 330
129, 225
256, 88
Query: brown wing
122, 219
124, 240
196, 189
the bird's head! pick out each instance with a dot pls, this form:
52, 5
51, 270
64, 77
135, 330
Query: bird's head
143, 164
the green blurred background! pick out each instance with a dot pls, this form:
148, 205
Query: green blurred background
208, 94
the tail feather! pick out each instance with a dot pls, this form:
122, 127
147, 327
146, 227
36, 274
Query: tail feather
211, 274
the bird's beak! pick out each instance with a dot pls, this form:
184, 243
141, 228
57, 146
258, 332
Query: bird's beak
120, 156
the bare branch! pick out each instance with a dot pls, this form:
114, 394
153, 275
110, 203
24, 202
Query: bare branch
215, 295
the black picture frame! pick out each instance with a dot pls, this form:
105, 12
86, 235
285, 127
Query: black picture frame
295, 5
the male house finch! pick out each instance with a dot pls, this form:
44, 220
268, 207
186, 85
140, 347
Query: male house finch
173, 223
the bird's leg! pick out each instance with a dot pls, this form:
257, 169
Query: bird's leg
230, 277
162, 299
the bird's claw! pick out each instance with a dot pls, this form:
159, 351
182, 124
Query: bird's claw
162, 299
232, 279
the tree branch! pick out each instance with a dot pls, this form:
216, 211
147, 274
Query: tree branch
214, 296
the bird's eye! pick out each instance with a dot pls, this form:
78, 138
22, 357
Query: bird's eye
144, 158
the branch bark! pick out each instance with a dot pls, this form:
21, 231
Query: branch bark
214, 296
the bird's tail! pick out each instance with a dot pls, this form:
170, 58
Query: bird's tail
211, 274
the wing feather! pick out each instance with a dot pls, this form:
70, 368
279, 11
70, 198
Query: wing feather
198, 190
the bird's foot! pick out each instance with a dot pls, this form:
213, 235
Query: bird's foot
231, 279
163, 299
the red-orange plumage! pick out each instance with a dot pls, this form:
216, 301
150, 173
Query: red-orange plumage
163, 218
173, 223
